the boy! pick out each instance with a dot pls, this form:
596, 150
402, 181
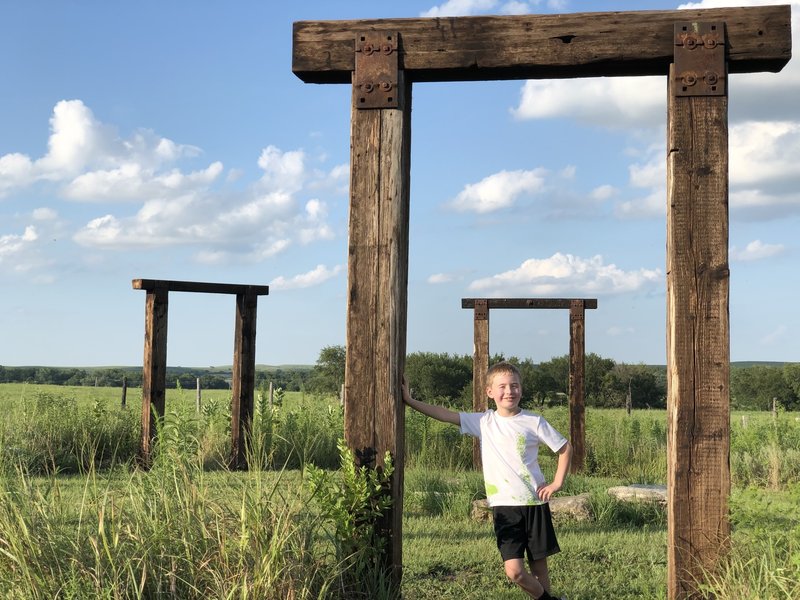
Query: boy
515, 486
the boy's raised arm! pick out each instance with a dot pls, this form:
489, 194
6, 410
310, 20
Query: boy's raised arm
440, 413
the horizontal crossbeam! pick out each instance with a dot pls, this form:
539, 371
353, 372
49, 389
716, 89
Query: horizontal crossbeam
529, 302
199, 286
542, 46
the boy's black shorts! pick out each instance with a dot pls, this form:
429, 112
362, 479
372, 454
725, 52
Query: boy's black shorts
522, 530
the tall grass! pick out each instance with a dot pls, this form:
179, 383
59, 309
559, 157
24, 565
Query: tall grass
169, 533
191, 529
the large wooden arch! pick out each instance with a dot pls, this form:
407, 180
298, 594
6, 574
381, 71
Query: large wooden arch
695, 50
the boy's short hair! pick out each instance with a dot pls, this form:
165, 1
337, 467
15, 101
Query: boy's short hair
503, 367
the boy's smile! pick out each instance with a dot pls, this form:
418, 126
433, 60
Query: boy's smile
506, 391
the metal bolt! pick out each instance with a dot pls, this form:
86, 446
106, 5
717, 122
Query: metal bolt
711, 78
385, 86
690, 42
368, 87
710, 42
387, 48
689, 79
368, 49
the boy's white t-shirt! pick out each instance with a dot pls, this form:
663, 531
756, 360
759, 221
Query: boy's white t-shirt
510, 451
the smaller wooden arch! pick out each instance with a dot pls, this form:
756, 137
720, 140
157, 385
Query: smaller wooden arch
155, 359
577, 359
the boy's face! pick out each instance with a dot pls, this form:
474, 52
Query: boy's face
506, 391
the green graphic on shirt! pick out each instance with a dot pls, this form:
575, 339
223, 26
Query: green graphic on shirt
521, 445
491, 489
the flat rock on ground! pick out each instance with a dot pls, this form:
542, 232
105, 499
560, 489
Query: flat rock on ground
578, 507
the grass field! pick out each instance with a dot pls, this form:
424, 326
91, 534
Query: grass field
84, 524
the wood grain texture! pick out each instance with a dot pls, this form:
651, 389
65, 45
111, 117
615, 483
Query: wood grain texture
243, 378
542, 46
377, 297
155, 369
577, 387
698, 339
480, 365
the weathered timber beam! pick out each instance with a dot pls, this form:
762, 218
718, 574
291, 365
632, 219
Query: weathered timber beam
530, 302
542, 46
199, 286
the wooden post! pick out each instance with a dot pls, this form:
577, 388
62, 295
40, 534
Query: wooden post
124, 401
577, 362
698, 338
480, 365
155, 369
377, 283
629, 398
197, 403
244, 377
271, 394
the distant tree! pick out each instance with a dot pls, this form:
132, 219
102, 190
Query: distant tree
213, 382
647, 387
595, 370
327, 376
791, 375
550, 380
440, 376
753, 388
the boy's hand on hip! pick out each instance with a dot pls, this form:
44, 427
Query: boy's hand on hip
546, 492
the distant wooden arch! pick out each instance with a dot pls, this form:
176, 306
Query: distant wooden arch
577, 361
155, 359
695, 50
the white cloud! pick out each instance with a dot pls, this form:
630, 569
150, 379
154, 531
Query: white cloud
252, 226
305, 280
16, 170
438, 278
44, 214
93, 163
565, 274
765, 153
654, 204
283, 171
756, 250
603, 192
616, 102
133, 182
498, 191
17, 251
458, 8
616, 331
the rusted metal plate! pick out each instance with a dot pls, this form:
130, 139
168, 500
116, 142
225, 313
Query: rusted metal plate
481, 309
375, 76
700, 62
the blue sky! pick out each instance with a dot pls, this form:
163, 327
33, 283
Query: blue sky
170, 140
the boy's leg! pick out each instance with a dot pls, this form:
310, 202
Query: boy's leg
517, 573
541, 572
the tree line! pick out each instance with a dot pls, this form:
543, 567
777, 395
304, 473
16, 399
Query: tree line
290, 379
447, 379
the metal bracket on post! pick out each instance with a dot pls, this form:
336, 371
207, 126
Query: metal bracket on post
481, 309
700, 66
375, 79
